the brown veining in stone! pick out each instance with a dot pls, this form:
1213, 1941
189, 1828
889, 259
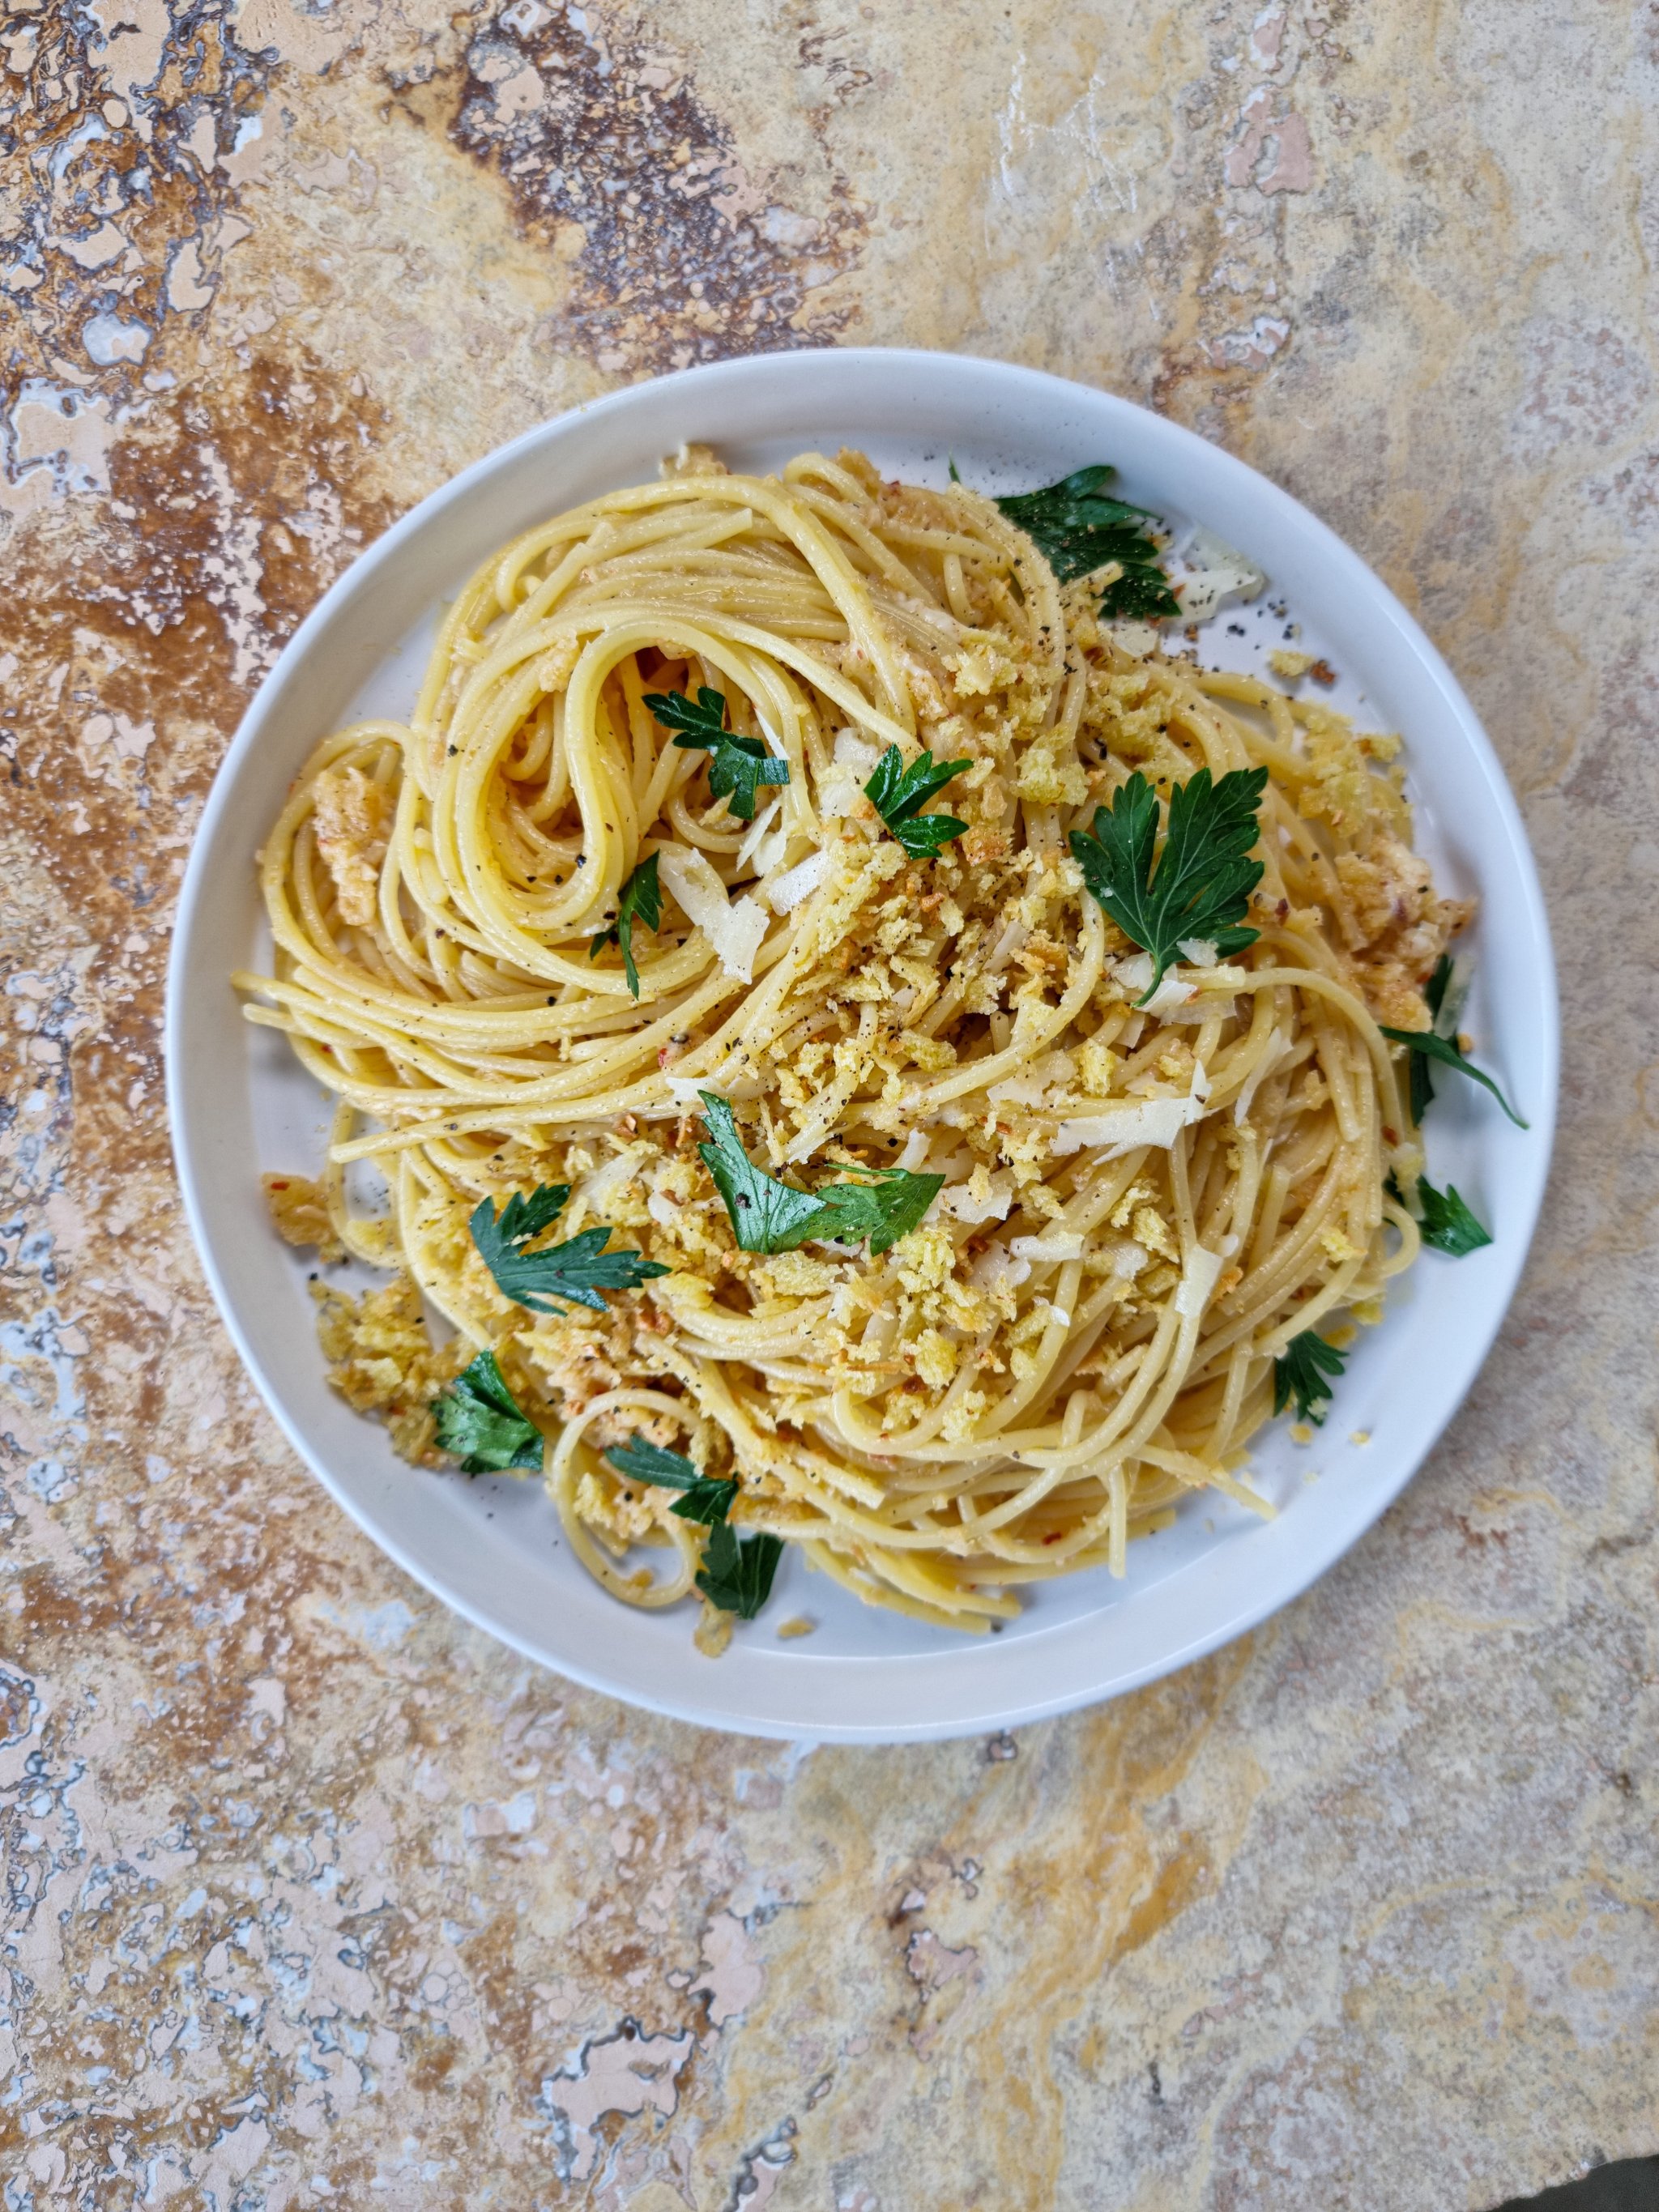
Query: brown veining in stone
305, 1879
615, 165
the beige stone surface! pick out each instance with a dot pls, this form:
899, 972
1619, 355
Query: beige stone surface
315, 1896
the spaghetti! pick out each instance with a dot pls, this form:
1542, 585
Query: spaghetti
1141, 1206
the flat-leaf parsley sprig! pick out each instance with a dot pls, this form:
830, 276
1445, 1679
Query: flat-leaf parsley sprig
1201, 884
766, 1215
1419, 1066
1300, 1373
580, 1270
1433, 1045
1447, 1224
737, 1571
639, 900
770, 1216
1077, 530
1445, 1220
886, 1208
481, 1423
704, 1498
737, 766
1424, 1044
899, 794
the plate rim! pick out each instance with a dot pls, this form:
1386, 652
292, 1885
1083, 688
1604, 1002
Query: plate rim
1254, 1604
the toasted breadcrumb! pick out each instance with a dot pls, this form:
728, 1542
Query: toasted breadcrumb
622, 1512
693, 460
1395, 927
713, 1630
299, 1208
352, 824
382, 1361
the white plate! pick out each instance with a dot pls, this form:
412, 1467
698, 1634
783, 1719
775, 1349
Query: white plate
492, 1548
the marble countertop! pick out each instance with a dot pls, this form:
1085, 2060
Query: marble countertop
316, 1896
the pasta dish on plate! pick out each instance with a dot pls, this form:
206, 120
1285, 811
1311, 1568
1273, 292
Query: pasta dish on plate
866, 1047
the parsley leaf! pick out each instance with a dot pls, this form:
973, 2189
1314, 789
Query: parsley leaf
1299, 1372
705, 1498
1418, 1067
524, 1216
737, 765
579, 1269
1202, 883
1141, 593
1448, 1224
769, 1216
884, 1210
766, 1215
1426, 1045
899, 794
479, 1421
737, 1574
1434, 991
1077, 530
642, 900
928, 835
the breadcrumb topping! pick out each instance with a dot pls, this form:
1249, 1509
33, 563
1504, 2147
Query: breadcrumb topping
382, 1361
352, 824
299, 1208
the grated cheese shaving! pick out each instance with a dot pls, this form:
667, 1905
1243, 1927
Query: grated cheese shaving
787, 894
735, 927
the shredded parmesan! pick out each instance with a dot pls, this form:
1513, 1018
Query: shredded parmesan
1125, 1128
1278, 1045
853, 765
983, 1198
1214, 571
1174, 991
757, 830
787, 894
1057, 1245
1000, 1269
735, 927
1203, 1271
